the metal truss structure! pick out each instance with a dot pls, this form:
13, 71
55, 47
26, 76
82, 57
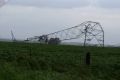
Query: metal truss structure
13, 37
87, 31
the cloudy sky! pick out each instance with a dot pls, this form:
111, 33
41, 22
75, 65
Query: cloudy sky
27, 18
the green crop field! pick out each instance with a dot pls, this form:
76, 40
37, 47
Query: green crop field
25, 61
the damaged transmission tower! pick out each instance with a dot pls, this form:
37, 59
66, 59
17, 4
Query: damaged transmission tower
87, 32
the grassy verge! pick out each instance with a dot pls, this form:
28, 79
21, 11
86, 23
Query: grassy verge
24, 61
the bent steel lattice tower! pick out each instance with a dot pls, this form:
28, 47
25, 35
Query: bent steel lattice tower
13, 37
87, 31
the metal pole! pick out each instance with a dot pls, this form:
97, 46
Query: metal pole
85, 35
103, 39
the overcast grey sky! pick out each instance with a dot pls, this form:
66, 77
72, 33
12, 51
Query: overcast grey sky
35, 17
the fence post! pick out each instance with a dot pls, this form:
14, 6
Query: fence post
88, 60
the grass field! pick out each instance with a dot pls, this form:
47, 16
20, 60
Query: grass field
24, 61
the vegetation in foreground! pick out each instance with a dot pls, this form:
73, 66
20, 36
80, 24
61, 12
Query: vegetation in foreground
24, 61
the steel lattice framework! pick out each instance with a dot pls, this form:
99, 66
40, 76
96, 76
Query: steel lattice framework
86, 31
